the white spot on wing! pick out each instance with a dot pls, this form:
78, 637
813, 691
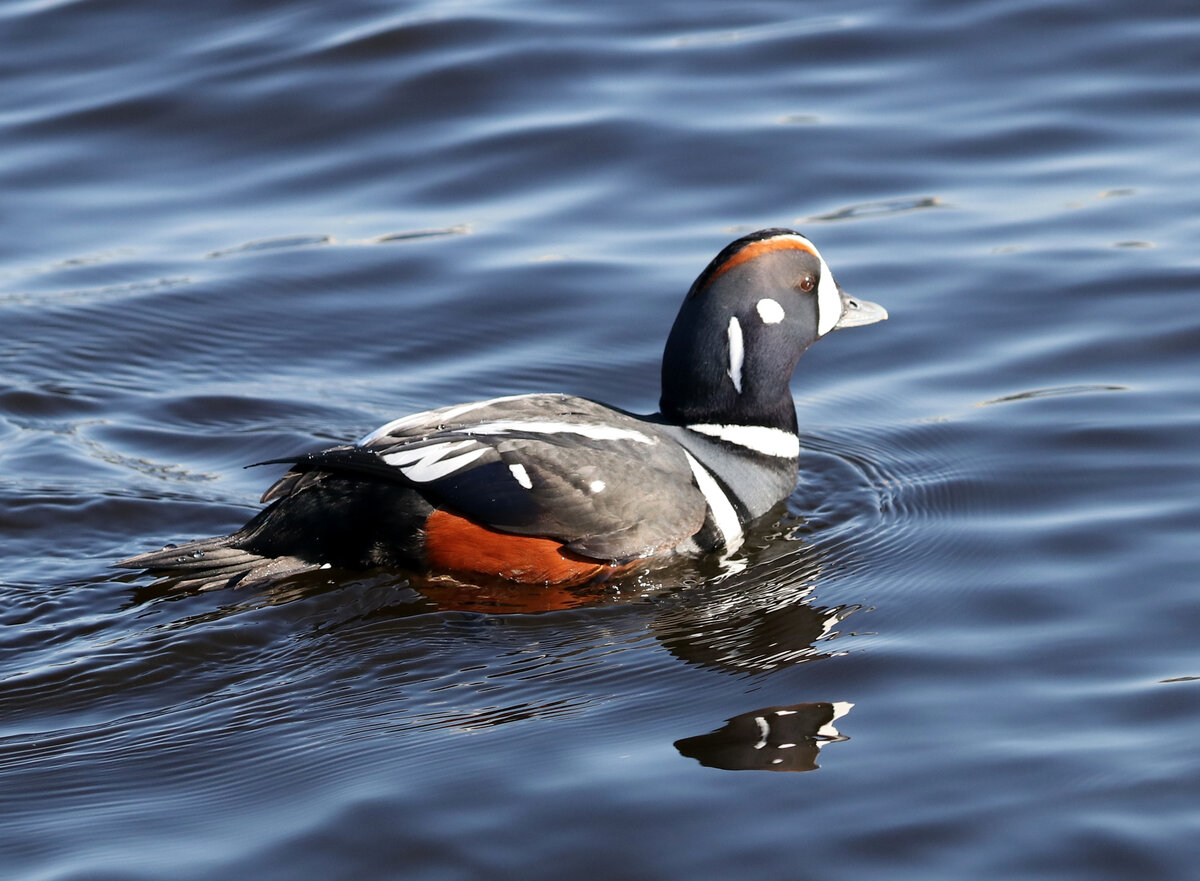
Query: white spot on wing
723, 513
522, 476
737, 353
770, 311
760, 438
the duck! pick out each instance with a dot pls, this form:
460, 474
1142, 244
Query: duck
553, 489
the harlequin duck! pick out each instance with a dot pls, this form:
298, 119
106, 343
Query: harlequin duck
554, 489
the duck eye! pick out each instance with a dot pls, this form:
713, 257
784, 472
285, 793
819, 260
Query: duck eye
807, 283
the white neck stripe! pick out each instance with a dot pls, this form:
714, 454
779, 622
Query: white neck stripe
737, 353
768, 441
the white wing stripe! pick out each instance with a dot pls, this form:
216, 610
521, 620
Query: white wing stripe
589, 430
429, 470
429, 463
432, 452
432, 417
388, 428
455, 412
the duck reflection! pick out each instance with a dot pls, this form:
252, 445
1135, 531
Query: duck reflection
750, 615
784, 738
756, 618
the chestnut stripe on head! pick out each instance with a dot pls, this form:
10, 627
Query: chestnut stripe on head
784, 242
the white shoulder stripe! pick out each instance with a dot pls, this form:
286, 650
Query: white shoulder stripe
723, 513
760, 438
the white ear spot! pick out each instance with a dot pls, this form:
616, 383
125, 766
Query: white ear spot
769, 311
737, 353
522, 476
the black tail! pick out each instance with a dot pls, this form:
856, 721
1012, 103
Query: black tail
324, 520
212, 563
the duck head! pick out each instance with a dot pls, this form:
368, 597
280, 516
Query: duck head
747, 319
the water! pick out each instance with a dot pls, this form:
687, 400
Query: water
238, 231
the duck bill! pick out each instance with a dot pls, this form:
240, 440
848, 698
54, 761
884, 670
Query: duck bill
857, 312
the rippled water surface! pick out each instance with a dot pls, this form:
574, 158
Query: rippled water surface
234, 231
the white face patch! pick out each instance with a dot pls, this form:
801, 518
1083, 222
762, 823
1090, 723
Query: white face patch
829, 301
769, 311
521, 475
737, 353
597, 486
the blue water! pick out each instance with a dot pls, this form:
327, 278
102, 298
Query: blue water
235, 231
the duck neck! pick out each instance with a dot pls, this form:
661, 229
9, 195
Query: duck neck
710, 375
698, 391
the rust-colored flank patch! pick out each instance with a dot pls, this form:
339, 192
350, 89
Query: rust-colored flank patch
456, 544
